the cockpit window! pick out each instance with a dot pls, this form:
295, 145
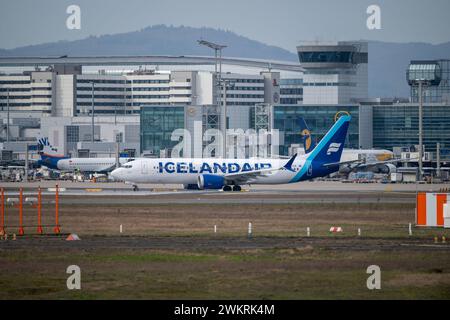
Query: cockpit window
127, 166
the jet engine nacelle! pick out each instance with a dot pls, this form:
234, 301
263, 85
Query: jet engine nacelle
388, 168
210, 181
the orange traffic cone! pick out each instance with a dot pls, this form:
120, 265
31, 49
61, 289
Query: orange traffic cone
73, 237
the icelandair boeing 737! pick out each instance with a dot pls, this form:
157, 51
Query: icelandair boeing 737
231, 174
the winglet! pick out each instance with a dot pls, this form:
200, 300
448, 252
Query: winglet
288, 165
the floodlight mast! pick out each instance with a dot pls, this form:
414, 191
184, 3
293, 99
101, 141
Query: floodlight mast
420, 130
422, 75
218, 78
420, 84
93, 114
7, 114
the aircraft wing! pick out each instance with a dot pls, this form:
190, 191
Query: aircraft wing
364, 164
377, 163
341, 163
246, 177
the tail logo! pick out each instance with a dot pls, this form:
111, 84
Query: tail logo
334, 147
46, 147
307, 134
44, 142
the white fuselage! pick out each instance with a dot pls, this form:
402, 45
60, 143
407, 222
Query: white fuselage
187, 170
89, 164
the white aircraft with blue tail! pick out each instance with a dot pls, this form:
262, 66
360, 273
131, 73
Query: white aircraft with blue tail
50, 158
231, 174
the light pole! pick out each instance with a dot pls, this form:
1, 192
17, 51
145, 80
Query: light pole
438, 160
421, 83
26, 162
92, 111
418, 75
218, 58
224, 119
7, 114
218, 81
420, 130
223, 111
225, 82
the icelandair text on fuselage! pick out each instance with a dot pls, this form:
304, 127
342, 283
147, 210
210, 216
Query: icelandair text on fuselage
185, 167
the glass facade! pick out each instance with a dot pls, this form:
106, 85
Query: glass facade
157, 125
325, 56
424, 71
291, 82
319, 120
437, 74
398, 126
291, 91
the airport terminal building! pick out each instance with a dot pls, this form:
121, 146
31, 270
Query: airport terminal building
70, 96
140, 107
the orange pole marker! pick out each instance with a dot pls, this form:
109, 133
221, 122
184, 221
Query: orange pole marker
21, 231
2, 212
39, 227
56, 229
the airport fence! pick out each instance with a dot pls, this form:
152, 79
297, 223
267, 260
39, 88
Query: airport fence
12, 214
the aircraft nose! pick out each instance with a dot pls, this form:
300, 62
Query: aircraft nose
117, 174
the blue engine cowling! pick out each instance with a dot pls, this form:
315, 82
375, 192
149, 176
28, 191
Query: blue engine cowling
210, 181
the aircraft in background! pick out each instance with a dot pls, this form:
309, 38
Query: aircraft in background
231, 174
375, 160
51, 159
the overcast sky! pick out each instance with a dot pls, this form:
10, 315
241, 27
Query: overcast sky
282, 22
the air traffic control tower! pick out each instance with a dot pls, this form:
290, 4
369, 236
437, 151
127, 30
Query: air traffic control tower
335, 72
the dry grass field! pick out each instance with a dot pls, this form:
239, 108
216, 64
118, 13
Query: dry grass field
170, 251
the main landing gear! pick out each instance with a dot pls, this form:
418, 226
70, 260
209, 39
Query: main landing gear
232, 188
135, 187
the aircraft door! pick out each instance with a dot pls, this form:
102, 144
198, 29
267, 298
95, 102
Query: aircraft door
144, 167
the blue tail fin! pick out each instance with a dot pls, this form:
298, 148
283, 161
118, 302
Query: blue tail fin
329, 149
308, 144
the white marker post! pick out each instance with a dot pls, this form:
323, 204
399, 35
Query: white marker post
249, 230
308, 232
215, 229
410, 229
359, 232
120, 229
